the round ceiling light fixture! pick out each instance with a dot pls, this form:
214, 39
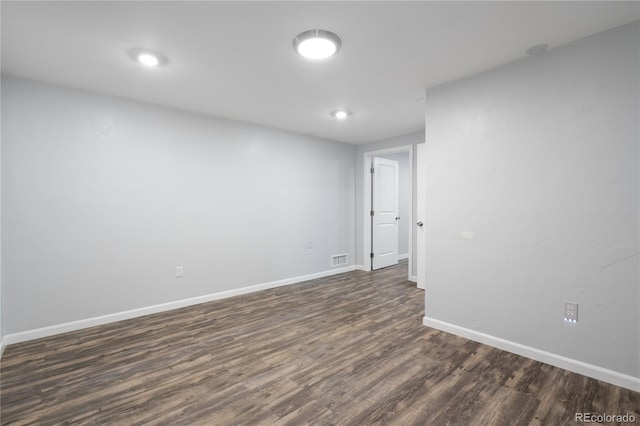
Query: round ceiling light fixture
340, 114
147, 57
316, 44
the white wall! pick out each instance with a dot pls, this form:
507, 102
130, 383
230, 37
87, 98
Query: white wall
404, 199
539, 159
410, 139
2, 341
103, 198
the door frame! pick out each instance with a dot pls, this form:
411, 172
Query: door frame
366, 206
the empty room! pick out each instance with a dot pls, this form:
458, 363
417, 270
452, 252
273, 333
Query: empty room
319, 212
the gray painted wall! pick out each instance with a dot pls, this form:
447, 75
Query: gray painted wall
103, 198
539, 159
404, 199
1, 308
410, 139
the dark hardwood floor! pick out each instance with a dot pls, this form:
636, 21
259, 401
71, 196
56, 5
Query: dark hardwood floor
349, 349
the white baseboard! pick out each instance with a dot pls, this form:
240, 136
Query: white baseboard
589, 370
38, 333
403, 256
362, 268
3, 343
413, 279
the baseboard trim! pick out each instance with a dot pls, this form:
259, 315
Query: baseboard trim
3, 343
413, 279
361, 268
589, 370
38, 333
403, 256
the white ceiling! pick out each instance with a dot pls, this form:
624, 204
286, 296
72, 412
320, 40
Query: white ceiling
235, 59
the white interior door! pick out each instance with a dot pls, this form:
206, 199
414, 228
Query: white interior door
421, 206
385, 213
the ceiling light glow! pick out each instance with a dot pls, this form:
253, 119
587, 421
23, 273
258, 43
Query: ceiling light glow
341, 114
316, 44
148, 59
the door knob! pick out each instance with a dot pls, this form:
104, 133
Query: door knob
398, 218
420, 224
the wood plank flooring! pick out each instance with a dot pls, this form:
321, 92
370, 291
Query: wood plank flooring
349, 349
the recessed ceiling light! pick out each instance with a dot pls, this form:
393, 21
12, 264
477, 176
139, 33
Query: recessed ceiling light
538, 48
316, 44
341, 114
148, 58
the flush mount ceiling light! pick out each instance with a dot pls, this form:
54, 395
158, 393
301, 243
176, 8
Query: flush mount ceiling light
537, 49
340, 114
147, 57
316, 44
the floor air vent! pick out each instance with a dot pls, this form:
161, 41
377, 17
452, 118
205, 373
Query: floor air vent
339, 260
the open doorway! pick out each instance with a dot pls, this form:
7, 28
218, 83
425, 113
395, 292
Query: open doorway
377, 229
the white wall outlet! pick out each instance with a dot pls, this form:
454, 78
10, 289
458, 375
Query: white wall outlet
571, 312
179, 272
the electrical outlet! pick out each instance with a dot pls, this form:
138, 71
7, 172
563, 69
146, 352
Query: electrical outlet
570, 312
179, 272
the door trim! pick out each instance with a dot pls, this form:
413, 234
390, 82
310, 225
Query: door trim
366, 206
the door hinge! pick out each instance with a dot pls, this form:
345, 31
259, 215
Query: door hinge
371, 212
371, 170
371, 255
